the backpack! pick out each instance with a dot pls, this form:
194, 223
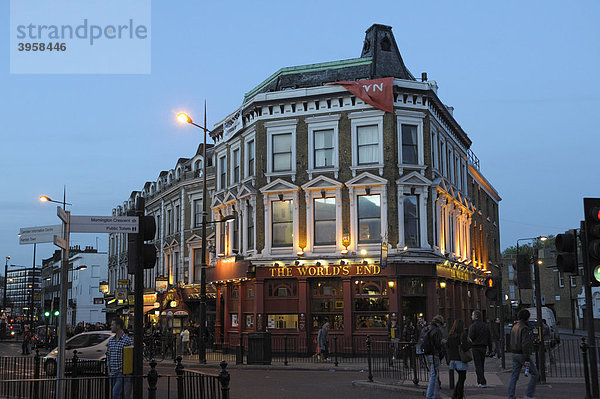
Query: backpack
424, 345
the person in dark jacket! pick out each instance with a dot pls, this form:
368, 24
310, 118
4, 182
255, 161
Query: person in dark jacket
496, 331
394, 336
521, 345
409, 334
434, 335
479, 333
458, 340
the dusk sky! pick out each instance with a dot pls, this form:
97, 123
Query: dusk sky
522, 77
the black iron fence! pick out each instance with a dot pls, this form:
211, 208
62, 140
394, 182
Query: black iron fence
184, 384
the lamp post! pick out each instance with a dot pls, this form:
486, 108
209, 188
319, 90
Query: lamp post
538, 304
4, 293
184, 118
64, 281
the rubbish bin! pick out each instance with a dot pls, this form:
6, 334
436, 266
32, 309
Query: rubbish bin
259, 348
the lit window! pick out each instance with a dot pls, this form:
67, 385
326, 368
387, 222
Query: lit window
368, 144
282, 152
369, 218
282, 223
325, 223
411, 221
324, 148
409, 145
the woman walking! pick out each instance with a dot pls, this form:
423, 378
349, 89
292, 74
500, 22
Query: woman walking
459, 355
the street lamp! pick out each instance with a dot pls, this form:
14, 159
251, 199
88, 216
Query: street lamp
185, 118
45, 198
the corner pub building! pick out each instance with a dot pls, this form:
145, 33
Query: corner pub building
312, 181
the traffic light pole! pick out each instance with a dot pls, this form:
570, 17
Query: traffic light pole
538, 306
138, 310
501, 301
589, 312
202, 318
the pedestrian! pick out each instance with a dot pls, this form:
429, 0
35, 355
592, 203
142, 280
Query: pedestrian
78, 328
496, 332
121, 386
185, 341
25, 346
394, 336
479, 333
547, 338
521, 346
323, 341
459, 355
409, 336
430, 342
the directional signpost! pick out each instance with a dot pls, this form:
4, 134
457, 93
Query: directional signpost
38, 234
104, 224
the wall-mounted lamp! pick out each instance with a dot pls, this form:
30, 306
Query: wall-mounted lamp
323, 193
297, 263
412, 191
342, 262
442, 284
345, 243
368, 190
363, 252
280, 195
275, 264
365, 262
300, 252
318, 264
221, 212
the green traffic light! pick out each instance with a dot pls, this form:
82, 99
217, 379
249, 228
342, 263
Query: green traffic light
56, 313
597, 273
47, 314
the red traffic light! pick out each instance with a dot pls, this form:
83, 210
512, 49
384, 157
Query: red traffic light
595, 214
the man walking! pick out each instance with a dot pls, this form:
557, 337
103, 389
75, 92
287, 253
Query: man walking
121, 386
479, 333
185, 341
323, 341
521, 345
430, 341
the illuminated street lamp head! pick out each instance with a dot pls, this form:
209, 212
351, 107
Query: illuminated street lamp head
542, 238
44, 198
184, 118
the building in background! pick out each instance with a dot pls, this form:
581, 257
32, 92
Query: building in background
23, 293
175, 201
335, 210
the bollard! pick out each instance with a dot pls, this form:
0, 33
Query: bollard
335, 350
179, 372
413, 356
74, 379
36, 375
224, 378
369, 358
586, 369
285, 349
152, 380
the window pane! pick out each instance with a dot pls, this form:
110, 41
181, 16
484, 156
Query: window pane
411, 221
323, 158
324, 138
368, 144
367, 134
369, 218
325, 209
325, 232
282, 162
282, 223
282, 143
409, 144
368, 154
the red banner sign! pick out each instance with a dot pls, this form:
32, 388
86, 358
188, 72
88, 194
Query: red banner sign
378, 92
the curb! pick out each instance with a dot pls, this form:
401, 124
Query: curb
412, 390
233, 366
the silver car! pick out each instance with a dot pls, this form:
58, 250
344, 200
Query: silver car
89, 345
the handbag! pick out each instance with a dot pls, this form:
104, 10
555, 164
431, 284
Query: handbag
465, 356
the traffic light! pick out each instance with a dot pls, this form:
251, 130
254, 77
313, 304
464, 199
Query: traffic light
56, 313
47, 314
591, 207
566, 246
524, 272
492, 291
140, 254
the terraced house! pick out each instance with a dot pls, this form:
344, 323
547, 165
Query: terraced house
337, 210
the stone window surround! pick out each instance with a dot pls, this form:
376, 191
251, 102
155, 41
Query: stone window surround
219, 156
423, 193
280, 127
327, 122
235, 146
313, 189
365, 118
415, 119
271, 193
247, 138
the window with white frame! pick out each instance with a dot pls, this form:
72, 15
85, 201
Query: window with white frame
282, 223
410, 151
282, 152
369, 218
222, 172
197, 213
561, 280
177, 218
169, 221
250, 158
511, 291
324, 221
442, 157
367, 144
250, 227
573, 281
324, 147
411, 221
236, 165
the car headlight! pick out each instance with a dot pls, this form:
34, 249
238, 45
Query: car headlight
12, 333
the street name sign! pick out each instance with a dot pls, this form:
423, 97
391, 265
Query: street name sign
104, 224
37, 234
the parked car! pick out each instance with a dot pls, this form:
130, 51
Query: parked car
43, 336
91, 348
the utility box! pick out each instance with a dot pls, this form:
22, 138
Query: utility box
128, 360
259, 348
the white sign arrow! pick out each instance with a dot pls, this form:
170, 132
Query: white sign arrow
104, 224
37, 234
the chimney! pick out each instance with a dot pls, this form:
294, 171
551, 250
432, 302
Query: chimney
423, 76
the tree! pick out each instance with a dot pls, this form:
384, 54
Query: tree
527, 248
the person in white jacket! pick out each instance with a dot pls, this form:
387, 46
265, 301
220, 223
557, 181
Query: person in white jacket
185, 341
